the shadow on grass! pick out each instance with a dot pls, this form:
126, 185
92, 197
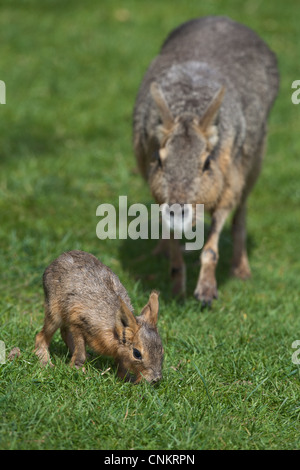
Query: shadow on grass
153, 271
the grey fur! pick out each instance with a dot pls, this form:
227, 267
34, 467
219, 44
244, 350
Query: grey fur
198, 60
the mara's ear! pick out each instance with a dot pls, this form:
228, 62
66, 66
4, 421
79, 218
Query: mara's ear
126, 324
211, 112
149, 314
160, 101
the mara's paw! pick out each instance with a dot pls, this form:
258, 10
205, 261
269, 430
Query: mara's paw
206, 292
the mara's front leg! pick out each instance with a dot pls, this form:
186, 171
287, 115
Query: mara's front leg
177, 267
206, 289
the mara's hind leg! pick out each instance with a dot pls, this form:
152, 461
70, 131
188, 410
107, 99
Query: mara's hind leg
177, 266
240, 264
43, 338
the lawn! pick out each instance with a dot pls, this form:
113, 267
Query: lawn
72, 70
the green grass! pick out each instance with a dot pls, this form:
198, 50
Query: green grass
72, 70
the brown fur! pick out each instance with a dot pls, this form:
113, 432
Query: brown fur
86, 300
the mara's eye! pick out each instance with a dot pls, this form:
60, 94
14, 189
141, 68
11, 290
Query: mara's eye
206, 165
156, 157
137, 354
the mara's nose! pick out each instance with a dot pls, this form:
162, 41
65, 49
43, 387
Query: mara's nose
156, 379
176, 210
177, 216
